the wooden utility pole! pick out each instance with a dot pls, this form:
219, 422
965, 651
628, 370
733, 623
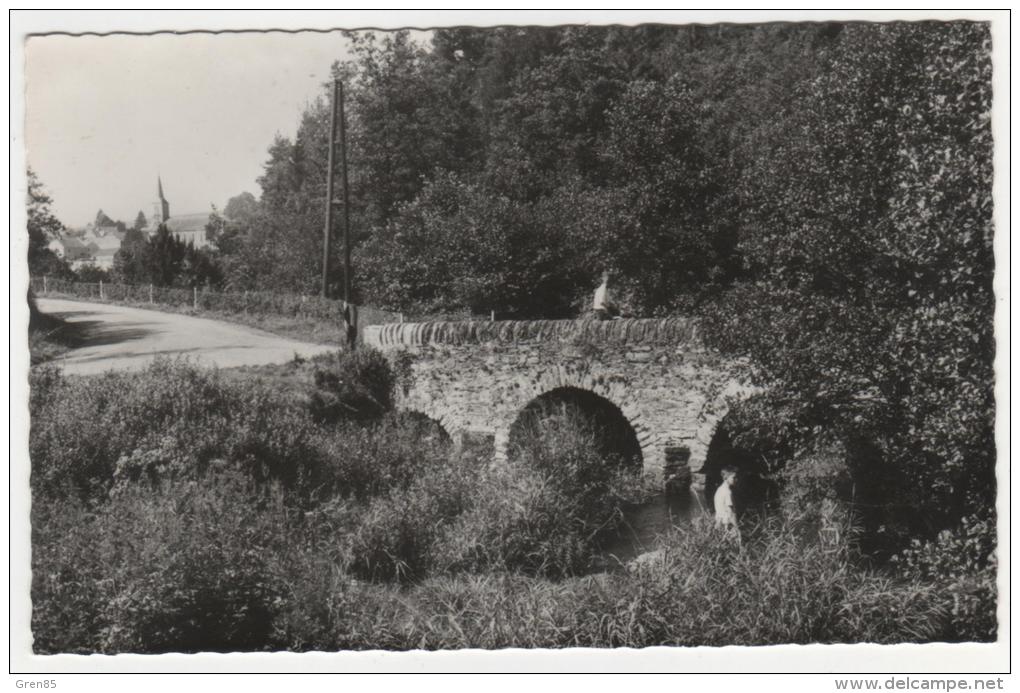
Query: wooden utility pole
350, 310
338, 121
328, 230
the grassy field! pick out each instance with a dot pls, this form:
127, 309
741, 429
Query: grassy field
287, 508
312, 330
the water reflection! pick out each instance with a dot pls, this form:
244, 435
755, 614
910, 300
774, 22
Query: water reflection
646, 524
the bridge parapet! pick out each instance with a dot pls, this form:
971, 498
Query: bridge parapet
676, 331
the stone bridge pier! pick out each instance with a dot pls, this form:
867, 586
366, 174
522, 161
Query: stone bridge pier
475, 379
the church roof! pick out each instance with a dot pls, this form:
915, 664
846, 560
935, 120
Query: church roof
110, 240
69, 242
187, 223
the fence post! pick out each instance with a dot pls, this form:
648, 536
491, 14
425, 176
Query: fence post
194, 301
150, 295
492, 316
401, 317
44, 284
100, 289
245, 301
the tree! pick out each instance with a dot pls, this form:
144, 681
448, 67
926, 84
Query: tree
407, 119
461, 246
43, 227
866, 226
103, 220
132, 262
165, 256
241, 209
163, 260
140, 221
610, 172
91, 274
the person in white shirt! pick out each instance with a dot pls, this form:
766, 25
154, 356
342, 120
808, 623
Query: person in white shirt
725, 510
603, 307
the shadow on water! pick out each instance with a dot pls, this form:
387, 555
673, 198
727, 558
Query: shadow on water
645, 526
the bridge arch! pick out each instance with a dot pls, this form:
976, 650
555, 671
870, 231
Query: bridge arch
755, 485
615, 431
711, 416
442, 421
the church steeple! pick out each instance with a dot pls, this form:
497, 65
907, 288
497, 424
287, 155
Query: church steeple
161, 207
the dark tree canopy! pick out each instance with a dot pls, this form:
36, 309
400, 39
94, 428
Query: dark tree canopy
163, 260
103, 220
43, 227
241, 208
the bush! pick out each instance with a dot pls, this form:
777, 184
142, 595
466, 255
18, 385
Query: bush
702, 590
186, 567
518, 522
962, 562
547, 512
45, 382
369, 461
397, 535
359, 387
68, 613
170, 421
775, 588
190, 567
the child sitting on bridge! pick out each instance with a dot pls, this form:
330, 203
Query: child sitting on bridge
604, 308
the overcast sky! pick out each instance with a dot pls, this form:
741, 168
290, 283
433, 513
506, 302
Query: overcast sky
105, 115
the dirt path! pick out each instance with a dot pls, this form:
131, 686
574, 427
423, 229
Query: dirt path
110, 337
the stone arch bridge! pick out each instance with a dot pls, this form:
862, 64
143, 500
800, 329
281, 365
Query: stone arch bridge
475, 379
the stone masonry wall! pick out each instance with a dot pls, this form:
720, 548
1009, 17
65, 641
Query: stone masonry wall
475, 378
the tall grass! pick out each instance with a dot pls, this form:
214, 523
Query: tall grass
550, 509
174, 510
172, 421
703, 591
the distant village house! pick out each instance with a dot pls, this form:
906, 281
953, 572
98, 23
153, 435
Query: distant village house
69, 248
98, 243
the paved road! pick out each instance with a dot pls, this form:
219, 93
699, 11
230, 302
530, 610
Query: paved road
110, 337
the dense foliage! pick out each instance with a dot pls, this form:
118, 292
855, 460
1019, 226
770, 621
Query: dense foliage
162, 259
869, 309
43, 227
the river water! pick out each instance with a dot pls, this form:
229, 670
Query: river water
645, 525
